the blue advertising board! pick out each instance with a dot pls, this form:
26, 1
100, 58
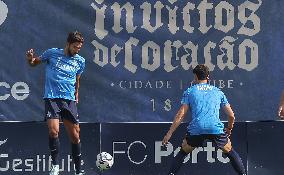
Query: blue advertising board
24, 149
136, 149
265, 148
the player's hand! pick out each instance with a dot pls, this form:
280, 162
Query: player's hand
281, 112
30, 53
166, 139
30, 56
228, 131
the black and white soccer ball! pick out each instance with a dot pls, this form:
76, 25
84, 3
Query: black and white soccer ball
104, 161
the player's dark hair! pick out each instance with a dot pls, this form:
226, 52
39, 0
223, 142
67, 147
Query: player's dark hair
75, 37
201, 71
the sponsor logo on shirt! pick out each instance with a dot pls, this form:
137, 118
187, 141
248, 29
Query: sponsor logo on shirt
204, 87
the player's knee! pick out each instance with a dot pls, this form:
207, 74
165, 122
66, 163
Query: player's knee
53, 133
186, 147
227, 148
75, 139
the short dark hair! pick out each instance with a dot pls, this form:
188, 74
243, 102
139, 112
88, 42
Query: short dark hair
201, 71
74, 37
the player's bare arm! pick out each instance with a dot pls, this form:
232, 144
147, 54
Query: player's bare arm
31, 58
281, 106
177, 121
231, 118
77, 85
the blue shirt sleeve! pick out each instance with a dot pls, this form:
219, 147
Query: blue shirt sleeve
224, 100
82, 67
46, 55
185, 98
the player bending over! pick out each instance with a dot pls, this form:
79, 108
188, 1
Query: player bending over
204, 102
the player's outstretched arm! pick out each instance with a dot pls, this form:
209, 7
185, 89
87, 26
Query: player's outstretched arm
231, 118
281, 106
177, 121
31, 58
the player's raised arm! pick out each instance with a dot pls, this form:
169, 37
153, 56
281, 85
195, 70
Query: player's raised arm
231, 118
32, 59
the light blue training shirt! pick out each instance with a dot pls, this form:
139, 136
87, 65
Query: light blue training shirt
205, 101
60, 73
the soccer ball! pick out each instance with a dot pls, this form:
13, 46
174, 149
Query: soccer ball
104, 161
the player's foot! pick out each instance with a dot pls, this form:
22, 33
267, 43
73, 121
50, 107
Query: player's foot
54, 170
81, 173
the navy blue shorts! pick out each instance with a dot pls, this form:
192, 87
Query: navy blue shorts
59, 108
220, 140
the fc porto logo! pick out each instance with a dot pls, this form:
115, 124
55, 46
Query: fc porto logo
3, 12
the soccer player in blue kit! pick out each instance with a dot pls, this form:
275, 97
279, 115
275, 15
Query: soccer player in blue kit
204, 102
63, 68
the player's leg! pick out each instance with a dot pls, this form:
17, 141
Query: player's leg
179, 158
71, 123
186, 148
52, 118
73, 131
234, 157
225, 144
53, 131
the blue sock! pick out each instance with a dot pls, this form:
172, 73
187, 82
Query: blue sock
54, 149
76, 155
236, 162
177, 162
